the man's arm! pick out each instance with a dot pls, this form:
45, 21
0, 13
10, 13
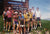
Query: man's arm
7, 13
3, 14
40, 14
19, 22
35, 16
13, 21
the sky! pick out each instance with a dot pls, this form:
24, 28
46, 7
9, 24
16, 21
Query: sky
44, 7
19, 0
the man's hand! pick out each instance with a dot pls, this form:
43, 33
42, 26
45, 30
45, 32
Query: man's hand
3, 18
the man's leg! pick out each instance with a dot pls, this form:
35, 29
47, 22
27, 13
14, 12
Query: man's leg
9, 25
36, 24
14, 29
6, 25
31, 25
21, 30
28, 27
24, 30
40, 23
17, 28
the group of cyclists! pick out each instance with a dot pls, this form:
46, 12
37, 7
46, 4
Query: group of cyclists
22, 19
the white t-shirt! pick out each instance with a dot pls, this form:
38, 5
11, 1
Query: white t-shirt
33, 12
37, 13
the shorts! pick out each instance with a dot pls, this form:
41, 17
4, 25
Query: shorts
22, 25
38, 19
15, 22
9, 19
33, 16
22, 22
5, 18
30, 19
26, 22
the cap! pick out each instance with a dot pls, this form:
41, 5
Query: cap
26, 13
16, 12
9, 7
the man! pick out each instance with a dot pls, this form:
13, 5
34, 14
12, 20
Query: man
21, 23
15, 21
33, 17
9, 16
26, 17
30, 18
38, 17
5, 16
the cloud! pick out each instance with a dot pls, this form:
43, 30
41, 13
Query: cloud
48, 8
46, 12
44, 6
45, 16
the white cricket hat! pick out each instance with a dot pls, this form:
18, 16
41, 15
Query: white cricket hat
16, 12
9, 7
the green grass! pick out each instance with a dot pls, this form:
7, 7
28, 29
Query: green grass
1, 23
45, 24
